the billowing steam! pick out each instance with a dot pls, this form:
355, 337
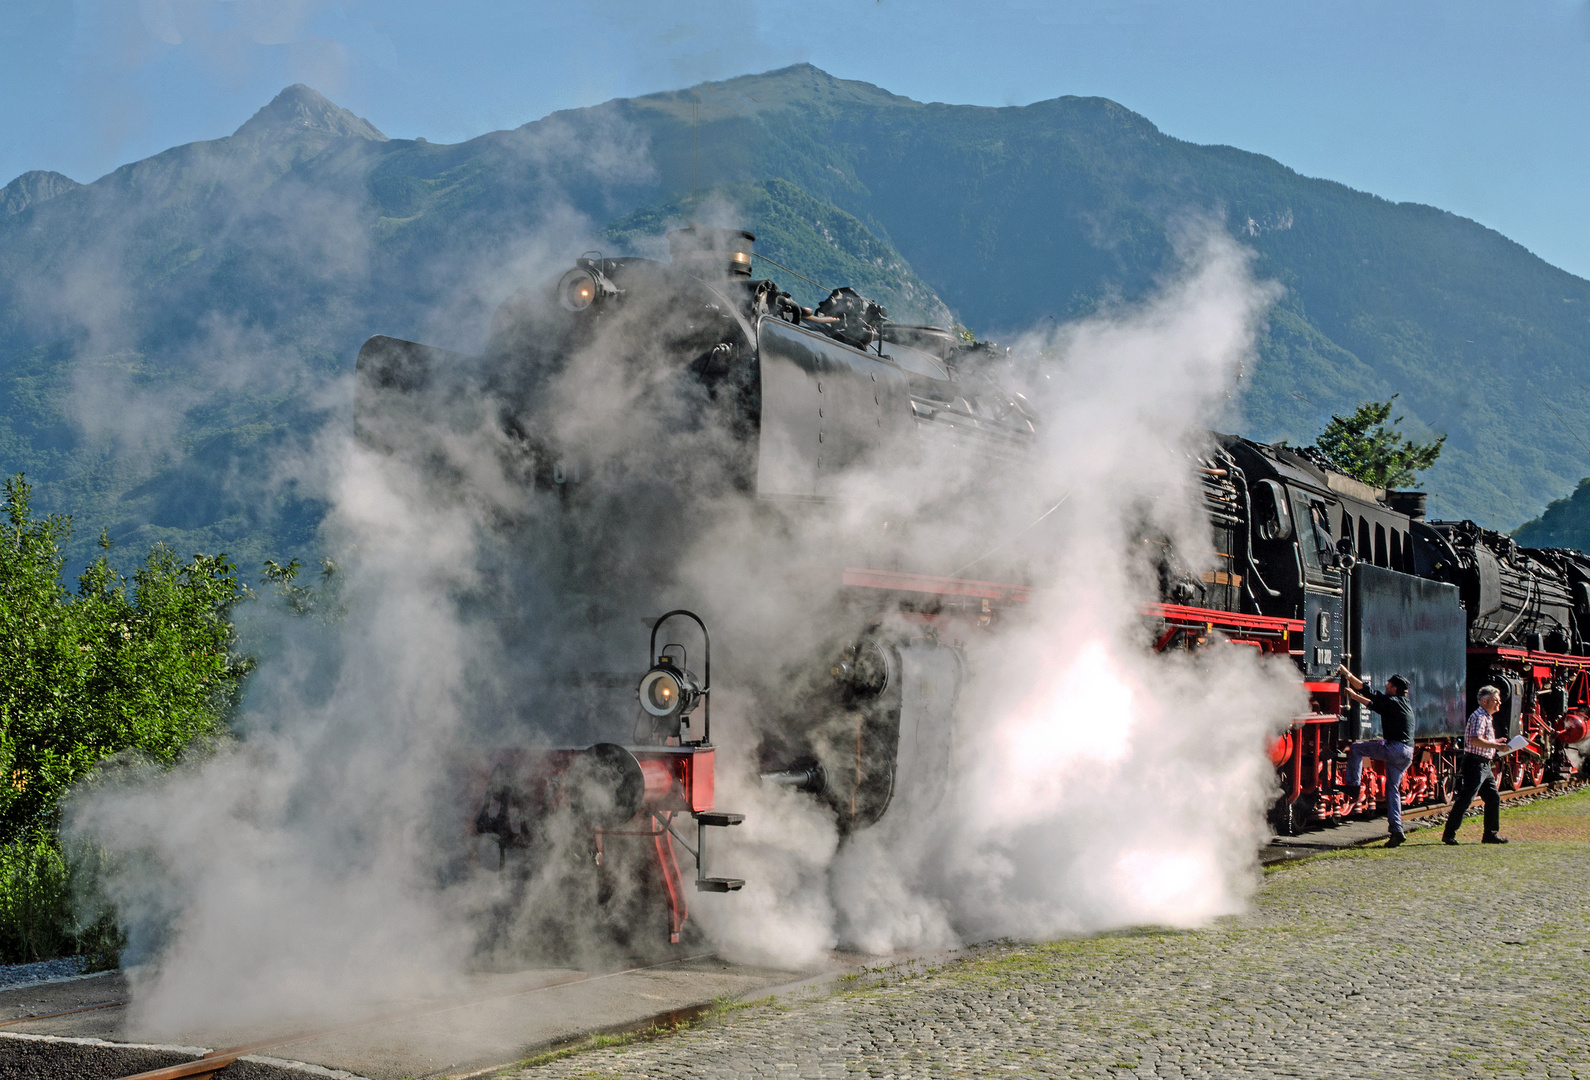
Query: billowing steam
1057, 776
1093, 785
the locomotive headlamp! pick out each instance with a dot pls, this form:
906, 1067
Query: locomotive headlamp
668, 692
709, 252
578, 290
585, 285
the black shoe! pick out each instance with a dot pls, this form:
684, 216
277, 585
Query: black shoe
1352, 791
1395, 840
1448, 838
1492, 838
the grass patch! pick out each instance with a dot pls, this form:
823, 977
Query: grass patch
1576, 804
1560, 819
720, 1008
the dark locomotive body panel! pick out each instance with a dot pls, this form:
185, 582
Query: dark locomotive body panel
1413, 627
757, 399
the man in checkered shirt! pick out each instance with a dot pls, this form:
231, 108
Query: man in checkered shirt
1474, 769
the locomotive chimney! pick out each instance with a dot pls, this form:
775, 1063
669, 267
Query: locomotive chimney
1407, 502
704, 250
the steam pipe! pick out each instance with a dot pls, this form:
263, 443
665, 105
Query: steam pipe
706, 689
812, 779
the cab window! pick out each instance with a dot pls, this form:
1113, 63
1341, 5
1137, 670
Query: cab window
1313, 534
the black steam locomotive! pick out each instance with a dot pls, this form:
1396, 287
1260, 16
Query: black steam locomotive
1363, 579
728, 401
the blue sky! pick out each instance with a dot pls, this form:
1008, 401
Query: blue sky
1479, 108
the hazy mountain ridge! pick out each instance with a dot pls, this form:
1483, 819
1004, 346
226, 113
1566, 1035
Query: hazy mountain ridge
185, 317
1564, 523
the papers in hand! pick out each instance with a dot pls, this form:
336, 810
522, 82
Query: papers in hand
1517, 742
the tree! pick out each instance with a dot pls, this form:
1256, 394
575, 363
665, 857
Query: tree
320, 601
146, 664
1365, 448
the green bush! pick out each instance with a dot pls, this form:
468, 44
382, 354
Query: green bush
39, 915
35, 902
143, 665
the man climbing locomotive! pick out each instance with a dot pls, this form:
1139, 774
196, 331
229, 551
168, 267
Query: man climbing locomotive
1394, 750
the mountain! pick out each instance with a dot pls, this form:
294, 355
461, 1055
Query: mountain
171, 331
33, 187
299, 109
1564, 523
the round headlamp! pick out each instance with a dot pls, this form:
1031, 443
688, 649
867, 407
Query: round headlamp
667, 692
578, 290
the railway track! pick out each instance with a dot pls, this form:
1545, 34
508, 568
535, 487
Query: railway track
216, 1060
1561, 787
63, 1012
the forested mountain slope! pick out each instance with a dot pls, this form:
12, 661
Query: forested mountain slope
171, 333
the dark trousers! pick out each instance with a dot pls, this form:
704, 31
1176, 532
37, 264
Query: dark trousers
1474, 775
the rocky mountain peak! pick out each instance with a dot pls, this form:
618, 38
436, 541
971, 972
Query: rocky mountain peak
300, 109
33, 187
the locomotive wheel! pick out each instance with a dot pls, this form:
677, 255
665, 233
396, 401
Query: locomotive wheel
1300, 815
1279, 817
1290, 819
1283, 817
1514, 770
1445, 778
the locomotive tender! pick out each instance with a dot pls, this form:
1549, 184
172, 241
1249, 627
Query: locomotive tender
776, 404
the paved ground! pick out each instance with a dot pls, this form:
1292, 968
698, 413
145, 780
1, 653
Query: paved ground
1426, 961
501, 1024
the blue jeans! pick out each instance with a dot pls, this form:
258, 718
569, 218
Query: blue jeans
1398, 757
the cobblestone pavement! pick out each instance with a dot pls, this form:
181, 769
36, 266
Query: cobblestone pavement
1426, 961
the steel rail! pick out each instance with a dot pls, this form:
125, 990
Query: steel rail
1560, 788
63, 1012
216, 1060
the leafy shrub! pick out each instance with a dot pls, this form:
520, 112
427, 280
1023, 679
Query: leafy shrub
143, 665
35, 903
40, 916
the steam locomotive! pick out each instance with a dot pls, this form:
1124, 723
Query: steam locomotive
737, 402
1361, 578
